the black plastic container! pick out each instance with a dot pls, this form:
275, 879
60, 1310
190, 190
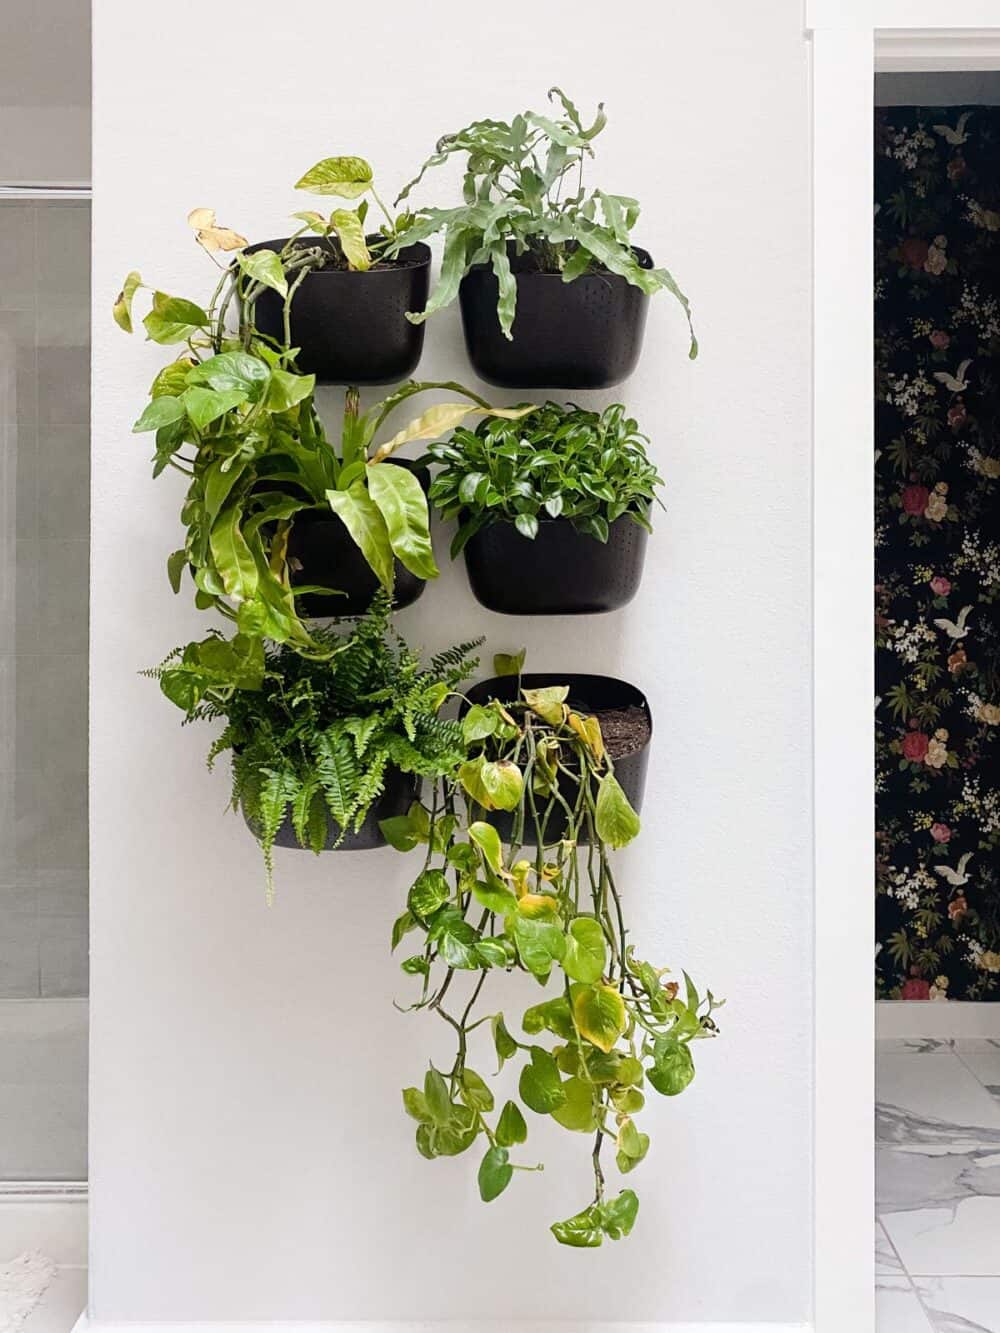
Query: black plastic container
584, 334
351, 328
323, 553
400, 791
560, 572
587, 694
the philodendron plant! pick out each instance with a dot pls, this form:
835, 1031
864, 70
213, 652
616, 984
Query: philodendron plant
610, 1024
523, 186
231, 413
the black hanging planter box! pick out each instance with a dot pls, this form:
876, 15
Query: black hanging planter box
323, 553
584, 334
558, 572
400, 792
587, 694
351, 328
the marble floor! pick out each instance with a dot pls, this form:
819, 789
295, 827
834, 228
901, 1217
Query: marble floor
937, 1230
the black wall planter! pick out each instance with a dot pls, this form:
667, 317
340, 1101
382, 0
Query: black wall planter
585, 334
559, 572
351, 328
400, 791
324, 554
587, 694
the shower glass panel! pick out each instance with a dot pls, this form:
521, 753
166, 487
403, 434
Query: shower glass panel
44, 554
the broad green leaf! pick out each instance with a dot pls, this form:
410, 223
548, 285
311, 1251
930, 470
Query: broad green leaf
487, 839
494, 897
506, 1046
264, 266
577, 1111
399, 497
458, 1134
351, 234
122, 310
437, 1096
172, 379
511, 1128
347, 177
599, 1013
474, 1092
233, 370
478, 723
495, 1173
176, 563
401, 927
540, 1086
429, 891
204, 406
159, 412
443, 417
173, 320
399, 832
286, 390
672, 1068
582, 1230
548, 702
509, 664
415, 1105
550, 1016
219, 482
586, 956
366, 525
232, 556
493, 785
617, 823
618, 1215
540, 942
494, 952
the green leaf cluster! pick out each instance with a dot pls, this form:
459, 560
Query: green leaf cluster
523, 196
609, 1026
560, 462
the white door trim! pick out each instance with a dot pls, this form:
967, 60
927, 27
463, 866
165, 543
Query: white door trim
849, 38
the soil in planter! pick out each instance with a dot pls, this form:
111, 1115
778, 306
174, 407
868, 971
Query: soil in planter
625, 731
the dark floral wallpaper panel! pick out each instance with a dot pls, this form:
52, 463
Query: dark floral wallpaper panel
937, 552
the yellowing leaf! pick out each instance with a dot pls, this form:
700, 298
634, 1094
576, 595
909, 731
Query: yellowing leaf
209, 236
122, 310
616, 821
599, 1014
589, 731
547, 702
437, 420
315, 220
347, 177
536, 905
351, 234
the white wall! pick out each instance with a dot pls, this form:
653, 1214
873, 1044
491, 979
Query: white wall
249, 1157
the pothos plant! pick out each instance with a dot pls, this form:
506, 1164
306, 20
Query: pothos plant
312, 739
544, 902
232, 414
523, 187
562, 462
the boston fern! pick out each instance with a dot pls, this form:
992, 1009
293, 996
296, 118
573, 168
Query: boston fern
311, 738
540, 899
559, 462
523, 188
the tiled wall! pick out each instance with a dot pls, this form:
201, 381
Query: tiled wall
44, 551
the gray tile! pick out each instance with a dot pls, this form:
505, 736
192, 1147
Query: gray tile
24, 443
62, 606
43, 1131
51, 722
25, 631
51, 821
19, 366
19, 955
17, 256
64, 482
17, 899
63, 253
63, 365
62, 893
47, 1045
64, 956
8, 714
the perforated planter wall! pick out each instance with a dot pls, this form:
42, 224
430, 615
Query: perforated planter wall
400, 791
323, 554
584, 334
626, 724
351, 328
559, 572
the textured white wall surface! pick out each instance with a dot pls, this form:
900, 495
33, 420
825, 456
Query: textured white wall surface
249, 1155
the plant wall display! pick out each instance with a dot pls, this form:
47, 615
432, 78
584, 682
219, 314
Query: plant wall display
553, 510
316, 740
610, 1025
528, 233
233, 415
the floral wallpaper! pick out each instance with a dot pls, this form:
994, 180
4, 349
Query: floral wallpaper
937, 552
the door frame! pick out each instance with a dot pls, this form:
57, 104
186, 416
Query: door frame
850, 39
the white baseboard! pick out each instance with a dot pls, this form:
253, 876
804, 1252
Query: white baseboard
52, 1219
922, 1019
87, 1325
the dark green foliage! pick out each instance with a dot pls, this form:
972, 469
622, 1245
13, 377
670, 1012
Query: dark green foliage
558, 462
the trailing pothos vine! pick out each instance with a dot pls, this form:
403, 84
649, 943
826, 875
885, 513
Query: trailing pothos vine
517, 876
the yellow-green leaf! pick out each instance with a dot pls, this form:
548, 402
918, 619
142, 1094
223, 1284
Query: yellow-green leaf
617, 823
366, 525
122, 310
547, 702
264, 266
437, 420
399, 498
487, 839
233, 559
346, 177
351, 234
599, 1014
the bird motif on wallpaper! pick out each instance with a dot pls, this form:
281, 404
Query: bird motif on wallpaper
956, 878
955, 629
957, 136
956, 383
